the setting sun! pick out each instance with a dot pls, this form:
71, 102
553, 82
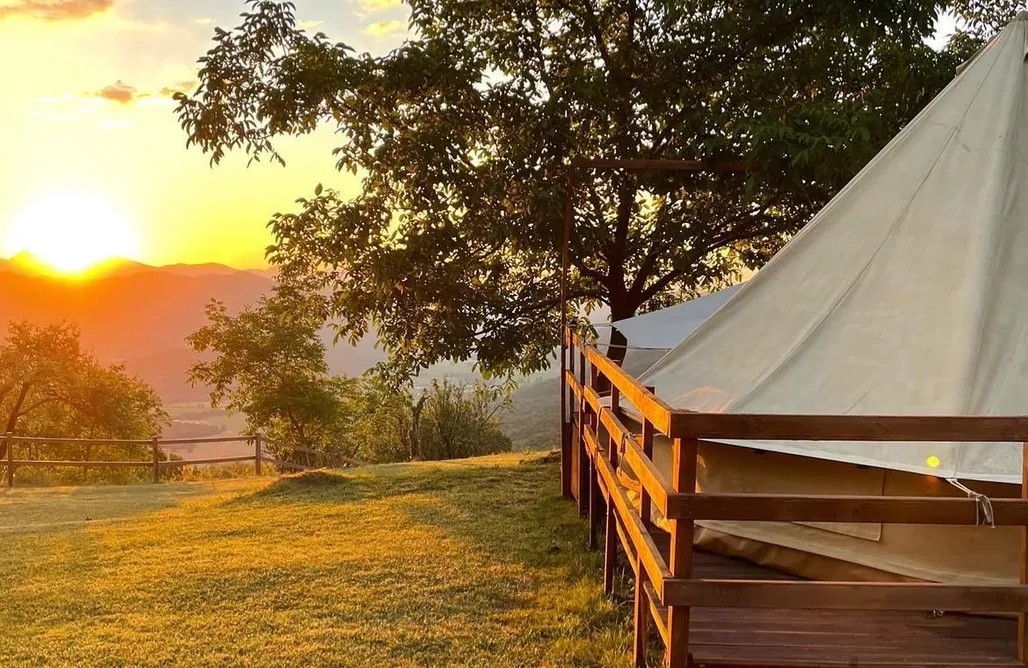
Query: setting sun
72, 231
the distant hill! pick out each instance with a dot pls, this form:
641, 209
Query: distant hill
138, 314
534, 419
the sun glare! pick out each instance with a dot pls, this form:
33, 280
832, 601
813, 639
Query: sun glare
73, 231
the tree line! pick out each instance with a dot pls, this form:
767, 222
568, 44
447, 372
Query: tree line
268, 363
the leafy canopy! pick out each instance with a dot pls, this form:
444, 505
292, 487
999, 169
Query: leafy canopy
50, 386
461, 136
268, 363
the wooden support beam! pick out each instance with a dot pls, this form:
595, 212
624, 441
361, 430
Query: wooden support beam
610, 553
641, 615
829, 508
810, 595
567, 403
171, 463
583, 459
656, 569
9, 442
78, 462
657, 612
1022, 617
645, 494
736, 426
683, 476
594, 513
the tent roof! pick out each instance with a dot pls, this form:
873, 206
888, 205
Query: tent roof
666, 328
906, 294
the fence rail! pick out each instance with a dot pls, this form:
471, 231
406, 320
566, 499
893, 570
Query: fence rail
156, 464
596, 443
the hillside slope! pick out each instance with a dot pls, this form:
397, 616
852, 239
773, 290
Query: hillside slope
468, 563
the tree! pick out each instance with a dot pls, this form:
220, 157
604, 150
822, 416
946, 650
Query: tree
458, 420
386, 418
269, 364
446, 420
978, 20
50, 386
452, 250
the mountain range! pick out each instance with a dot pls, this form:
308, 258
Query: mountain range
140, 314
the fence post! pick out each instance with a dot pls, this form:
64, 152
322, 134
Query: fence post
594, 484
610, 549
566, 395
645, 503
1022, 616
257, 453
583, 453
641, 614
154, 450
683, 478
9, 441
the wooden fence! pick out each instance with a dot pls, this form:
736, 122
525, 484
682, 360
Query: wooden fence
259, 456
665, 589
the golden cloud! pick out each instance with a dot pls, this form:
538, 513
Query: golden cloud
372, 6
54, 10
383, 28
122, 93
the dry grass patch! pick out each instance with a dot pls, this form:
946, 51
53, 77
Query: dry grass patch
471, 563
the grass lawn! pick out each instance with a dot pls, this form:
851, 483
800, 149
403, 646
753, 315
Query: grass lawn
470, 563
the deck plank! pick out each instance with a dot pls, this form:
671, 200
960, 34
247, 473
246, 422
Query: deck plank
744, 638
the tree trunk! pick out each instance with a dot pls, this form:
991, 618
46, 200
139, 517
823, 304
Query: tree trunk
12, 420
415, 428
618, 348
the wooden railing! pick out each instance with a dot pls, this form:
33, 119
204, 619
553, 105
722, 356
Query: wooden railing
665, 589
156, 464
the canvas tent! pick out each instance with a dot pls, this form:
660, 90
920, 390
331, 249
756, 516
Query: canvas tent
906, 294
666, 328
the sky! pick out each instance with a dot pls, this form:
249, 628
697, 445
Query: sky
86, 117
88, 131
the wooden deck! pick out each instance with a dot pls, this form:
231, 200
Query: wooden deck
719, 611
725, 637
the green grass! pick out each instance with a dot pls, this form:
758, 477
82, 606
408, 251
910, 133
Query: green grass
470, 563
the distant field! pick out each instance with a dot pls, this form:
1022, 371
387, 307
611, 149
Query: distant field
470, 563
199, 420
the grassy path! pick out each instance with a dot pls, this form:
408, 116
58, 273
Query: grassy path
472, 563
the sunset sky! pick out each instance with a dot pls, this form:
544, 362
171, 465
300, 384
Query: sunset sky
86, 123
87, 130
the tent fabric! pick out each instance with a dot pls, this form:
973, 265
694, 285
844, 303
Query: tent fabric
934, 553
666, 328
907, 294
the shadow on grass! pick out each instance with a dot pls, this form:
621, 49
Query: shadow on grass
388, 480
508, 510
